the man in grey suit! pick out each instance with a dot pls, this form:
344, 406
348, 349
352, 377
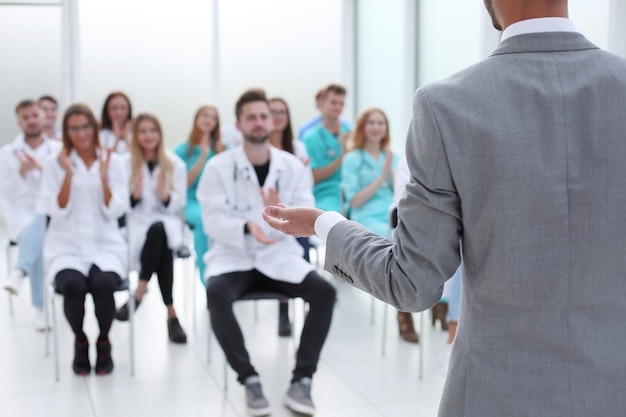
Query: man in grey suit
517, 163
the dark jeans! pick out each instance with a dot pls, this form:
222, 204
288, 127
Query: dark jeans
74, 286
224, 290
157, 257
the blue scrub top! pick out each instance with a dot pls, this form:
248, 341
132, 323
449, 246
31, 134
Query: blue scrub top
358, 170
315, 122
323, 148
190, 161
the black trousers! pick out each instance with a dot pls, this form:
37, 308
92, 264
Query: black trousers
157, 257
74, 286
224, 290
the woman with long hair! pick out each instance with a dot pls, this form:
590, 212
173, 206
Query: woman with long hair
116, 122
158, 184
367, 176
85, 193
204, 142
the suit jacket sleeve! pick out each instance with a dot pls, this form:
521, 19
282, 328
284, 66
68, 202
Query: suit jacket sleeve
409, 274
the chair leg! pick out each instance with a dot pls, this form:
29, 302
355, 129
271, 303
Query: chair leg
372, 309
46, 308
421, 373
55, 335
131, 330
194, 283
9, 262
225, 374
209, 339
384, 328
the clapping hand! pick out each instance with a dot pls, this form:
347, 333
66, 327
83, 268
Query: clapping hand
258, 233
270, 198
64, 161
105, 160
162, 192
27, 163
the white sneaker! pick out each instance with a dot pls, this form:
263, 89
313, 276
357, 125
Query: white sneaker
40, 320
14, 281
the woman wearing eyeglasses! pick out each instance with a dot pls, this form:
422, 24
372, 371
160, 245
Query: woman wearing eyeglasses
85, 193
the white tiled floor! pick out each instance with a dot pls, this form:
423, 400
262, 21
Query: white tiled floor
353, 379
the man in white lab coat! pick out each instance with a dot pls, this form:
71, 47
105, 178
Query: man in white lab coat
20, 188
246, 254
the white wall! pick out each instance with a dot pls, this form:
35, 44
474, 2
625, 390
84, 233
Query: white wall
30, 59
385, 62
289, 48
157, 51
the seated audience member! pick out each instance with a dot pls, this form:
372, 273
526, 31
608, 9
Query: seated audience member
158, 184
326, 145
50, 109
20, 189
248, 255
317, 120
85, 193
452, 287
281, 137
367, 174
203, 144
117, 118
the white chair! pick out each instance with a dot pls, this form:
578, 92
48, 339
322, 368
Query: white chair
124, 286
10, 245
393, 223
254, 295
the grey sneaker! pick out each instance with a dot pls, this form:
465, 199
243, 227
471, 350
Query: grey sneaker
298, 397
256, 403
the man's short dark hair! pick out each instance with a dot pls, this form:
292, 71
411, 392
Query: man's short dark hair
249, 96
24, 104
48, 98
335, 88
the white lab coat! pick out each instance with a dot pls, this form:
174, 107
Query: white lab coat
107, 141
151, 209
86, 231
20, 196
229, 195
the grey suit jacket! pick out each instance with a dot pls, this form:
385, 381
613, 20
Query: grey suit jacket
517, 163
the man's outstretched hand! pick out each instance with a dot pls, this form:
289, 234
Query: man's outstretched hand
297, 221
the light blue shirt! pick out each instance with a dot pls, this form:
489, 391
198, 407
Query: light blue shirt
324, 148
190, 161
358, 170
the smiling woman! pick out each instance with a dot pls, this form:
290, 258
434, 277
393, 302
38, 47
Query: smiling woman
84, 194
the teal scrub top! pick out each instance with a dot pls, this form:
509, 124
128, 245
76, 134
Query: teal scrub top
323, 148
358, 170
190, 161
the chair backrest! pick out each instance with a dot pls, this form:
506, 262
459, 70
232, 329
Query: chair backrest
393, 217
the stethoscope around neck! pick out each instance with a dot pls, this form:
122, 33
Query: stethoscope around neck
247, 176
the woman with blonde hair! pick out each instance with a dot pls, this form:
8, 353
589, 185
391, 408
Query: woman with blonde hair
158, 183
204, 143
367, 177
